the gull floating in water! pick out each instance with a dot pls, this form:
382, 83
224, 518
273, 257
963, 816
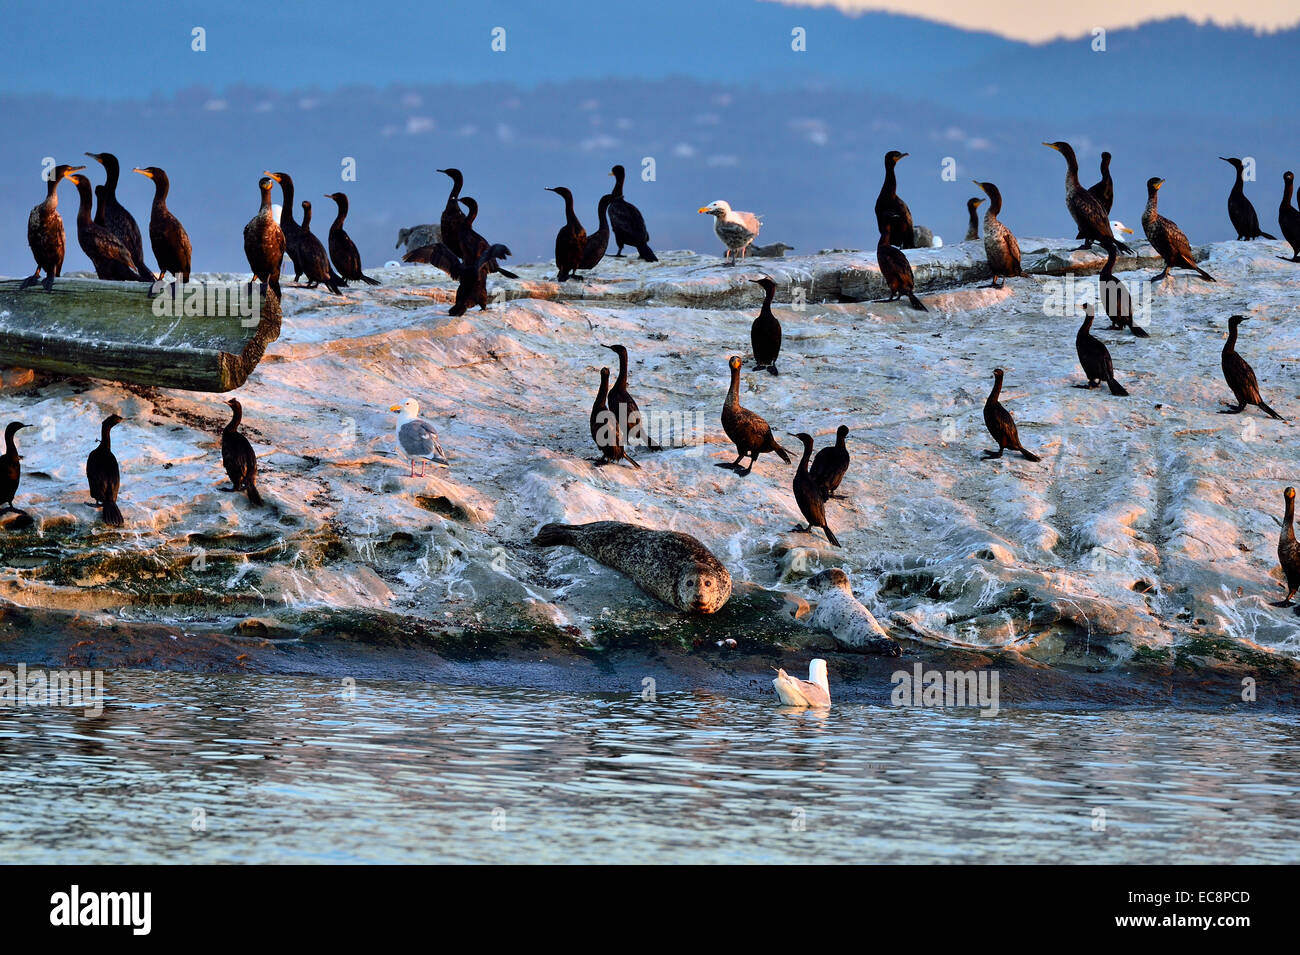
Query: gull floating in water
736, 229
1119, 229
416, 439
814, 692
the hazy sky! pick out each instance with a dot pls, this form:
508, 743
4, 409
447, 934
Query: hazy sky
1036, 21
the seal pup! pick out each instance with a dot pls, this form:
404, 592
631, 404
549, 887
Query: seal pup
674, 567
814, 691
839, 613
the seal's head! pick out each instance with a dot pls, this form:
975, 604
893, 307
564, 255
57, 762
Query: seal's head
828, 580
702, 589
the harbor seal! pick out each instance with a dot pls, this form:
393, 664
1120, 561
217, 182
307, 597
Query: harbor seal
418, 236
674, 567
852, 625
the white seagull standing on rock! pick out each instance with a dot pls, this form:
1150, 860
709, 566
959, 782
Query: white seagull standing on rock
416, 438
814, 692
736, 229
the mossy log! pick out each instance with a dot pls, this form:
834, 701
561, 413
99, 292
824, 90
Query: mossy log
210, 338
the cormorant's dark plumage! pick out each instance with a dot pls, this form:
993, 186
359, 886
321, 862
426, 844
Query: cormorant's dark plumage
343, 251
1240, 210
765, 333
474, 245
605, 430
896, 270
453, 219
1240, 376
1103, 192
11, 469
264, 241
1094, 357
315, 260
891, 210
1166, 238
597, 242
102, 474
973, 226
1086, 209
237, 456
627, 222
1115, 300
1000, 245
832, 463
1288, 217
623, 405
1288, 549
170, 241
289, 225
470, 273
571, 240
107, 253
116, 219
1001, 425
750, 434
808, 494
45, 232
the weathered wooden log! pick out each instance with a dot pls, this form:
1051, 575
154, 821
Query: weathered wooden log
209, 338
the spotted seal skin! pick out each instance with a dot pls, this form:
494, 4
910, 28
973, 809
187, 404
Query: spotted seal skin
674, 567
852, 625
418, 236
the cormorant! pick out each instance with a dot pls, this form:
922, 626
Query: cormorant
896, 270
1094, 357
113, 216
343, 251
1001, 425
973, 227
831, 463
570, 241
1166, 238
416, 438
808, 494
111, 259
453, 220
170, 241
1288, 550
736, 229
314, 259
605, 427
1240, 376
1103, 192
288, 225
594, 249
1115, 299
891, 210
750, 434
1000, 245
45, 231
765, 333
264, 241
473, 243
627, 222
471, 274
102, 474
622, 404
1086, 209
1240, 210
1288, 218
237, 456
11, 470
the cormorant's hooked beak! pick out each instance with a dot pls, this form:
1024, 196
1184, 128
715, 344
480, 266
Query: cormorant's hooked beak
268, 172
67, 174
143, 172
1052, 146
98, 157
903, 155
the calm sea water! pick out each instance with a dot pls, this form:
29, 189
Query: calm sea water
193, 768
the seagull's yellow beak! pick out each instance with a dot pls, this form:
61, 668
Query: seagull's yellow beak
702, 209
395, 408
1129, 231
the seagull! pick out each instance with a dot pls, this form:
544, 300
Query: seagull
1118, 229
736, 229
416, 437
814, 692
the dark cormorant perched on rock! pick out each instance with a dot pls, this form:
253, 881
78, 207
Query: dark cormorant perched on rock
1240, 209
453, 219
473, 244
973, 227
1086, 209
765, 333
111, 259
264, 241
45, 231
315, 260
1103, 192
832, 463
1166, 238
808, 494
750, 434
1288, 549
11, 469
605, 427
470, 273
1288, 218
343, 251
167, 237
102, 474
597, 242
1001, 425
1094, 357
1000, 245
623, 405
896, 270
1240, 376
113, 216
288, 225
237, 456
570, 241
891, 210
627, 222
1115, 300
